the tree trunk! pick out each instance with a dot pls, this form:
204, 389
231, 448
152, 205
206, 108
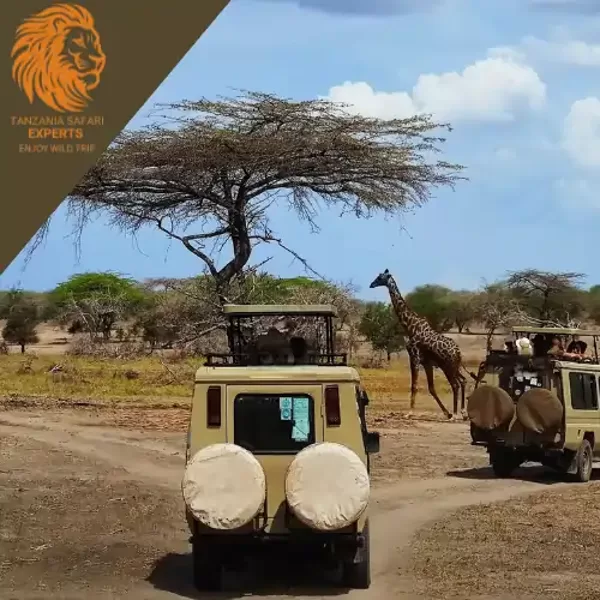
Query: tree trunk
489, 338
22, 348
389, 355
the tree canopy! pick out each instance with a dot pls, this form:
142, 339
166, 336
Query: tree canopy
94, 302
381, 327
22, 318
550, 298
433, 303
207, 175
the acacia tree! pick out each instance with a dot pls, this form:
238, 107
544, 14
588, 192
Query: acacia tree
186, 313
207, 176
548, 298
462, 309
94, 302
497, 308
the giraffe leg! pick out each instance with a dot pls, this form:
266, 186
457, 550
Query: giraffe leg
463, 387
428, 366
415, 363
453, 380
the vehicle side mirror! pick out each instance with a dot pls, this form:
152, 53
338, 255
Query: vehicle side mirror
372, 442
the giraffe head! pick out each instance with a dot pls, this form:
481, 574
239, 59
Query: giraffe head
381, 280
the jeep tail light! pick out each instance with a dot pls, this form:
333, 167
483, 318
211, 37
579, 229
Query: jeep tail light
332, 406
213, 406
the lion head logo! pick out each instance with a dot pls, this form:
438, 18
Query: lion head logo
58, 57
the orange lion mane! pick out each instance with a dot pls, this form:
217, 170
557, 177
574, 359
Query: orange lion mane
42, 68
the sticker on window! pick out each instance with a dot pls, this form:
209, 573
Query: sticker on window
301, 428
285, 409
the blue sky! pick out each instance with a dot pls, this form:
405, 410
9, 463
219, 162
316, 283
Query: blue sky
518, 79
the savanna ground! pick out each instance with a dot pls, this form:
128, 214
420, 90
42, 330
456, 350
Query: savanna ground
91, 458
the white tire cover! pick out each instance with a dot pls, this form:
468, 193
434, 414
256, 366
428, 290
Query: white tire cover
327, 486
224, 486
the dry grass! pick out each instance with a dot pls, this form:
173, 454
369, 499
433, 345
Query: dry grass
87, 378
542, 546
153, 382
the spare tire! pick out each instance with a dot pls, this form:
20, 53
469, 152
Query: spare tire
539, 410
224, 486
490, 407
327, 486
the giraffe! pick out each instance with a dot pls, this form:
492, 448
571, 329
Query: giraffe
426, 347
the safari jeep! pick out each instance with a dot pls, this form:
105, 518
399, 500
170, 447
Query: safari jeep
278, 447
539, 407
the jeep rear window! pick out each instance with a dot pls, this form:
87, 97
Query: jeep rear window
273, 424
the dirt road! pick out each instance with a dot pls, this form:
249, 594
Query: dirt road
95, 512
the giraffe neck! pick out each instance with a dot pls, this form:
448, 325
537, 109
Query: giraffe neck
411, 322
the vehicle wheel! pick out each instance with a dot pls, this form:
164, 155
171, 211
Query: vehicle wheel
207, 567
356, 574
504, 462
583, 463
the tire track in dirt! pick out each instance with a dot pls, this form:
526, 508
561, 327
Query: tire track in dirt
399, 510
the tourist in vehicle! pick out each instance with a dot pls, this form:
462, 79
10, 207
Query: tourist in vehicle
557, 349
577, 346
524, 346
509, 346
540, 344
299, 349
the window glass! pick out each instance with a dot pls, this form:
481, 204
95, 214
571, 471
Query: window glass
273, 423
584, 391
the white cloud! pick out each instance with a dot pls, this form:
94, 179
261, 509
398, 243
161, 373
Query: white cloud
578, 195
559, 48
581, 132
570, 52
364, 100
492, 89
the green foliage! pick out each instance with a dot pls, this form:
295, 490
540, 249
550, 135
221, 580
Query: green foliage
84, 286
593, 304
462, 309
164, 320
267, 289
187, 312
434, 302
22, 316
380, 326
94, 302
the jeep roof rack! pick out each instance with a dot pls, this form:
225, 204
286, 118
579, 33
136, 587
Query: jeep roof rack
556, 330
248, 310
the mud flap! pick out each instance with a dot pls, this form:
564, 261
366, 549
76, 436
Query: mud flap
568, 463
357, 553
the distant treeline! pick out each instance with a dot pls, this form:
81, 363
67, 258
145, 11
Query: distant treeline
170, 312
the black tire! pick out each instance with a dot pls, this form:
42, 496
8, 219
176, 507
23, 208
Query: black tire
584, 462
504, 462
207, 567
357, 574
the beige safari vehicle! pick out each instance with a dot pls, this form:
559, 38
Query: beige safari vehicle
531, 405
278, 447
